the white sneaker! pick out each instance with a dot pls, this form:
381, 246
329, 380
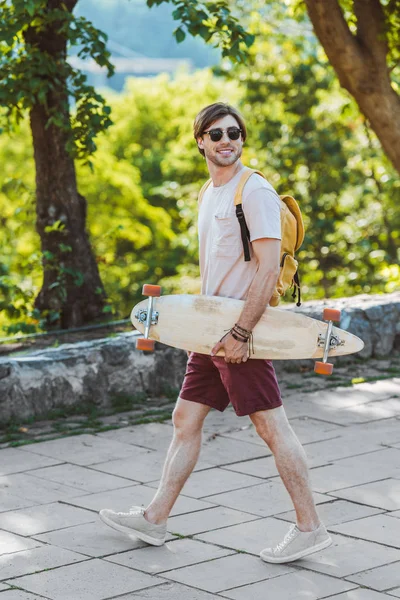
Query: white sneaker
297, 544
134, 524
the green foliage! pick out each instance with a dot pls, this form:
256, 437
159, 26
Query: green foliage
213, 21
311, 141
33, 70
304, 133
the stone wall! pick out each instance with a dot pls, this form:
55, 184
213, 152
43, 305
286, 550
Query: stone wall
100, 371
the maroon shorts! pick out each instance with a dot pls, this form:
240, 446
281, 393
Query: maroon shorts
250, 386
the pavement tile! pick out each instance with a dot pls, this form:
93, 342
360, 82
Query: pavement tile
310, 430
10, 502
381, 578
89, 580
37, 559
264, 499
9, 543
85, 449
81, 478
338, 448
37, 491
19, 595
360, 594
135, 495
248, 537
169, 591
362, 393
219, 451
262, 468
207, 520
153, 436
173, 555
14, 460
395, 592
91, 539
303, 585
148, 468
219, 422
379, 528
386, 431
4, 587
395, 513
245, 433
215, 481
47, 517
382, 494
347, 556
337, 511
357, 470
358, 414
225, 573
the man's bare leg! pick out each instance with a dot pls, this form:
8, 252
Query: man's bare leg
188, 418
274, 428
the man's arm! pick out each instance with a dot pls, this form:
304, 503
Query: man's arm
267, 253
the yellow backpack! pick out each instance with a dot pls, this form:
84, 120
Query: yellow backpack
292, 236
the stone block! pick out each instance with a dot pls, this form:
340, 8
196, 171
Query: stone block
303, 584
81, 478
26, 562
379, 528
207, 520
225, 573
173, 555
47, 517
9, 543
135, 495
381, 578
87, 580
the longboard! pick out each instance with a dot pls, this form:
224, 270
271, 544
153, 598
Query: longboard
196, 322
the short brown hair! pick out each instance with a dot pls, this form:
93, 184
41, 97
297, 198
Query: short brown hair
212, 113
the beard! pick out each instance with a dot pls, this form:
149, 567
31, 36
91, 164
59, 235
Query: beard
224, 161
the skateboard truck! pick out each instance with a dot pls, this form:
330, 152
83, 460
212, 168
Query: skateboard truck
330, 341
149, 317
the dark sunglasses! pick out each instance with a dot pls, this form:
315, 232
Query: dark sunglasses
216, 134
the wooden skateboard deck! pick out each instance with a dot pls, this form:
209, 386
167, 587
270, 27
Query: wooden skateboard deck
196, 323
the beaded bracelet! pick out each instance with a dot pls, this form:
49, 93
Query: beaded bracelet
242, 330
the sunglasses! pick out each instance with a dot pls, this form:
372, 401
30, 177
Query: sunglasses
216, 134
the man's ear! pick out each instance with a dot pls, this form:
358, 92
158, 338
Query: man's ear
200, 143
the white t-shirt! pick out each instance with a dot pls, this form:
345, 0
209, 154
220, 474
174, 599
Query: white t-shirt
223, 269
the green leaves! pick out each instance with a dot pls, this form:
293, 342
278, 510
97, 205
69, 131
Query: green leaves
179, 35
211, 20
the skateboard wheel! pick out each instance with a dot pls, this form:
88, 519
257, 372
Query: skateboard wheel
323, 368
145, 344
332, 314
151, 290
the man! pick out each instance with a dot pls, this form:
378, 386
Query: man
215, 381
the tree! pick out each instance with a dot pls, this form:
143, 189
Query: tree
36, 77
362, 41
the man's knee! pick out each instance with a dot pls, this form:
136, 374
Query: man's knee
271, 425
188, 417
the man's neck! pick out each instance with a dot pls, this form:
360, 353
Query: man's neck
222, 175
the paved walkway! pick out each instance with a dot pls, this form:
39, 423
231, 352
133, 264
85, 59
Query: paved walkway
53, 545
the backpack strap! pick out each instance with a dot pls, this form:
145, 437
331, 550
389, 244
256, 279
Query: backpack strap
202, 191
244, 230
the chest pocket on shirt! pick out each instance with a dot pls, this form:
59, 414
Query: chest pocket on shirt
226, 236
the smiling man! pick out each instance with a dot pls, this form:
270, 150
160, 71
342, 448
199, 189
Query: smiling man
214, 381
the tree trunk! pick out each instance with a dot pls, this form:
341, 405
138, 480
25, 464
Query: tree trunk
360, 62
72, 292
71, 282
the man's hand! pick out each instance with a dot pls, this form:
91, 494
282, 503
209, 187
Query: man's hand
235, 352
